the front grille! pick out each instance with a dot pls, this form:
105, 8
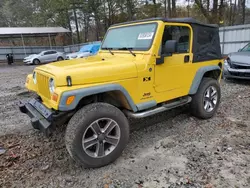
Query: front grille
43, 85
239, 66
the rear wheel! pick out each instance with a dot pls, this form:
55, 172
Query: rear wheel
97, 134
36, 61
206, 101
60, 59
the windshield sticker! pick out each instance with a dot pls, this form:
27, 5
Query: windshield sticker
146, 36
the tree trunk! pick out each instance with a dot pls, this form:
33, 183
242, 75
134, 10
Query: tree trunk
76, 23
109, 13
208, 5
86, 27
155, 8
130, 10
68, 19
234, 12
215, 11
221, 8
243, 5
173, 8
98, 28
204, 11
169, 9
165, 8
230, 12
106, 21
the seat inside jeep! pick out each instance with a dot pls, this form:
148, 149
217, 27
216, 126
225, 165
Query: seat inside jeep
178, 33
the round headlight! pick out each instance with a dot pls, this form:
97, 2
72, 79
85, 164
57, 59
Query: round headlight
51, 85
34, 77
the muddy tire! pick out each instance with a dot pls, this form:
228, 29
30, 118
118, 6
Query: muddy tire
206, 101
97, 134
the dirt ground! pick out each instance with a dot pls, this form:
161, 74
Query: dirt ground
172, 149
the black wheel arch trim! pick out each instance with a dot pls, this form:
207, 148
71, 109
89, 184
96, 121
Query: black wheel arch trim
199, 75
81, 93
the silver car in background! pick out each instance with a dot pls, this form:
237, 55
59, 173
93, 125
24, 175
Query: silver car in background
44, 57
237, 64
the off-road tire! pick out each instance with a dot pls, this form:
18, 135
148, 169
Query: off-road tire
197, 103
80, 122
36, 62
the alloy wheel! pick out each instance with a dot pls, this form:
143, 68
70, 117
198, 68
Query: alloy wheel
210, 98
101, 137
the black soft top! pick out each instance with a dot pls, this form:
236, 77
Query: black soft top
187, 20
206, 40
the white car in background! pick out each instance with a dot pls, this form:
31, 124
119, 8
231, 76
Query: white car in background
44, 57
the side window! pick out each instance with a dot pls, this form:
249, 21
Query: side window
179, 33
246, 48
50, 52
53, 52
47, 53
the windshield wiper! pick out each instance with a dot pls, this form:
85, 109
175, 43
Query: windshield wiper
129, 49
109, 49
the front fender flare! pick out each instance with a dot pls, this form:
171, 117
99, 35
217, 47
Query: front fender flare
81, 93
199, 75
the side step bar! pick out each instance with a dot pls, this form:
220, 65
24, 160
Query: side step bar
162, 108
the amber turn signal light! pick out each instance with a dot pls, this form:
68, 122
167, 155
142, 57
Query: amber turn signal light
70, 100
54, 97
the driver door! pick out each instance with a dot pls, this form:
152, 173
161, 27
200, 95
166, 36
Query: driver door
172, 74
48, 56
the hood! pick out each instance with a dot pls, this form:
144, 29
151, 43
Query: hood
240, 58
91, 70
31, 56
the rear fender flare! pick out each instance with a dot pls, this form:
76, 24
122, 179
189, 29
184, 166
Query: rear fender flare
198, 77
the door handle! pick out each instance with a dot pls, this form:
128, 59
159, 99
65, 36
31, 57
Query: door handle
186, 58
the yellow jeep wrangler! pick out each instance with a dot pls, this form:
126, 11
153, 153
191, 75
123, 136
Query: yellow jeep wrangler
143, 68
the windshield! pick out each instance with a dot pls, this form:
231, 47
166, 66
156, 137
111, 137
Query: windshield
41, 53
136, 37
246, 48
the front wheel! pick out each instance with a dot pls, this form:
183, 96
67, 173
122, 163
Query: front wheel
97, 134
206, 101
36, 62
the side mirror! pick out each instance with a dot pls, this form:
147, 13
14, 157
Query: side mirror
239, 50
170, 47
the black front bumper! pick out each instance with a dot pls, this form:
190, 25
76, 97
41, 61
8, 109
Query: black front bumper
41, 116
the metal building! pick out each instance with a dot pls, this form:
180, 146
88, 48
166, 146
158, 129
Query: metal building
22, 32
233, 38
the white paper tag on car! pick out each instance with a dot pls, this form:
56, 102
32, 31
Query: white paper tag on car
146, 36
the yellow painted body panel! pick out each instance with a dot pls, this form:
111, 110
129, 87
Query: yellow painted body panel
169, 80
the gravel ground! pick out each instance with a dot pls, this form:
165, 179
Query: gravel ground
172, 149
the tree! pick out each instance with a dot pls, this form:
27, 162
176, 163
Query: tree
89, 19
